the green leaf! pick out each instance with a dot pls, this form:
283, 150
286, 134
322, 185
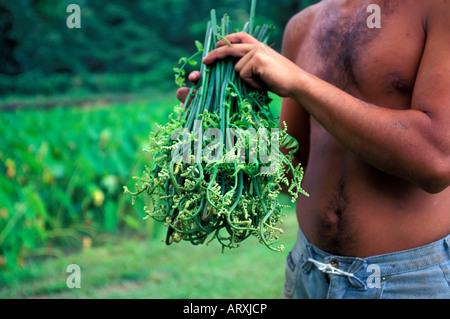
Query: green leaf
34, 202
131, 222
199, 46
179, 80
221, 37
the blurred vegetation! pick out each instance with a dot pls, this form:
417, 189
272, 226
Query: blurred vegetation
63, 173
62, 167
121, 45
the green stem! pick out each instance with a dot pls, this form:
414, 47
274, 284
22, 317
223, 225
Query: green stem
252, 17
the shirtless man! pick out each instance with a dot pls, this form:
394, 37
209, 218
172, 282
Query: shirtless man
370, 108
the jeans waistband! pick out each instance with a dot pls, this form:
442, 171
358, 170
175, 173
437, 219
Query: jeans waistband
391, 263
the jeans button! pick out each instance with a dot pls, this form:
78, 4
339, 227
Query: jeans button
334, 262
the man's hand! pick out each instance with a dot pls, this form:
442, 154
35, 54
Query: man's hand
183, 92
258, 64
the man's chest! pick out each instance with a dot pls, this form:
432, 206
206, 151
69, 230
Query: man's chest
378, 65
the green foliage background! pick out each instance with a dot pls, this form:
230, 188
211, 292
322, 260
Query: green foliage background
121, 45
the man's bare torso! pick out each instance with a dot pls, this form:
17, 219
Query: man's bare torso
353, 208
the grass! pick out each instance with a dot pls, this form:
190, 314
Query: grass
135, 268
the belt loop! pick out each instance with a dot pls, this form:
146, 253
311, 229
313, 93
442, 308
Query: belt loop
447, 242
357, 264
307, 265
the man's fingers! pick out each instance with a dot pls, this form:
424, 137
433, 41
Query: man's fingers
239, 37
182, 94
234, 50
194, 77
246, 73
243, 62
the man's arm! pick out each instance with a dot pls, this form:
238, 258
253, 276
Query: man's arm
292, 114
411, 144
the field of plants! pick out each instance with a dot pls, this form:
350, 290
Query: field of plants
63, 170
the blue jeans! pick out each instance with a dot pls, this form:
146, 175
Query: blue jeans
422, 272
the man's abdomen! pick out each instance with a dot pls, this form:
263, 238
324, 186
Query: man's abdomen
357, 210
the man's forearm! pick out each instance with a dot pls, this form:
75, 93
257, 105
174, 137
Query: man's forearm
399, 142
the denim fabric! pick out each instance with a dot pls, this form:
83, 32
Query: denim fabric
419, 273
